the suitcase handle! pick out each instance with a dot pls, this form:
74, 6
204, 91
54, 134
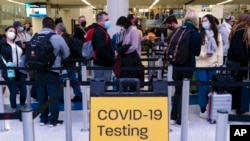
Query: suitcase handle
125, 85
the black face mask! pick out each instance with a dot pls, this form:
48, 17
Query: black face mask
171, 28
28, 29
83, 23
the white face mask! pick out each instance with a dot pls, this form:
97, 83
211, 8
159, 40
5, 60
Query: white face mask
11, 35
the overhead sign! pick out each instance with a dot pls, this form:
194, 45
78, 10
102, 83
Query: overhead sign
129, 119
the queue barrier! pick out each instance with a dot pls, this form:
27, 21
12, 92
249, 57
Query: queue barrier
87, 83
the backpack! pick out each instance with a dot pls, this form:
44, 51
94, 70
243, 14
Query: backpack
75, 47
88, 51
178, 46
40, 52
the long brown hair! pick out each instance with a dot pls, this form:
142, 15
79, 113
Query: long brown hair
242, 23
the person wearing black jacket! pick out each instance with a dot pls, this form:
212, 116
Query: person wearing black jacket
80, 31
191, 22
104, 55
239, 53
61, 30
11, 52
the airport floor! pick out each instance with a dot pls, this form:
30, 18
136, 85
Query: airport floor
198, 129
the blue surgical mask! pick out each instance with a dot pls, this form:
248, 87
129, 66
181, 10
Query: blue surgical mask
206, 25
107, 24
21, 29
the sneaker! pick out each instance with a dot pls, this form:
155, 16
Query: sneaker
77, 99
204, 115
173, 122
57, 123
43, 123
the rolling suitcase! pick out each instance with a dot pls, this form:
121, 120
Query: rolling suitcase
216, 102
245, 96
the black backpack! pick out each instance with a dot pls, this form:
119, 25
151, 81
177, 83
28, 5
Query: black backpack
75, 48
40, 52
178, 46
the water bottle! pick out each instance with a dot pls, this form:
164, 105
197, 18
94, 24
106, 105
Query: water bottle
10, 72
115, 80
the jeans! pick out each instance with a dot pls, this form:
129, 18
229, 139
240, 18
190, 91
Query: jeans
102, 74
46, 91
204, 90
71, 74
13, 88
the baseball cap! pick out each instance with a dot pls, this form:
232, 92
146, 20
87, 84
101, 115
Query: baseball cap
17, 23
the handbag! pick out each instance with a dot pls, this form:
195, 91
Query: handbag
117, 66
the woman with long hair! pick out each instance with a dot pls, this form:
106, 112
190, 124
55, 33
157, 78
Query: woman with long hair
239, 53
211, 55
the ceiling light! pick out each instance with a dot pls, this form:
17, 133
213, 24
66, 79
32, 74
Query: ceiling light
86, 2
224, 2
154, 3
16, 2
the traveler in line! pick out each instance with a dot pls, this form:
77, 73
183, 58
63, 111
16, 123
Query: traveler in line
104, 54
239, 53
50, 115
80, 31
211, 55
191, 23
11, 52
61, 30
20, 39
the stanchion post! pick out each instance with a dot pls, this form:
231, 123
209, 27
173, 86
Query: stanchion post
170, 89
222, 121
159, 72
184, 109
28, 106
85, 101
28, 125
67, 109
2, 122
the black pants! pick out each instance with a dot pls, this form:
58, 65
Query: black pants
177, 99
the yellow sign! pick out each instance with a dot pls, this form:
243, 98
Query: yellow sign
129, 119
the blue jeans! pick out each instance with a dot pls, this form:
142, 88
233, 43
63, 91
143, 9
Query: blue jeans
204, 90
13, 88
71, 74
46, 91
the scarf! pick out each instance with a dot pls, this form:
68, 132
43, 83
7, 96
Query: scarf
210, 43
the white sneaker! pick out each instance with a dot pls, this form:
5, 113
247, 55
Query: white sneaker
204, 115
173, 122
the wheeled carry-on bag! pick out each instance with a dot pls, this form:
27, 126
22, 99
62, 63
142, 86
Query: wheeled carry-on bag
216, 102
245, 96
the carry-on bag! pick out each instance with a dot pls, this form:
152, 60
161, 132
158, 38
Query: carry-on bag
245, 96
216, 102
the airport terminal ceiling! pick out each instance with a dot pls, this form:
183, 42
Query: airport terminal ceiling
132, 3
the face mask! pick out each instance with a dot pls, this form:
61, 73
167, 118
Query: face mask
83, 23
11, 35
206, 25
21, 29
28, 29
107, 24
171, 27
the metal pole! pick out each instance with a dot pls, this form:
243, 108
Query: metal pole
67, 109
28, 125
222, 121
170, 89
85, 101
2, 122
184, 109
149, 63
159, 72
28, 95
